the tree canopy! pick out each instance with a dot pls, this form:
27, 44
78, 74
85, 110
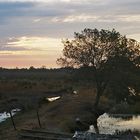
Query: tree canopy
92, 47
110, 55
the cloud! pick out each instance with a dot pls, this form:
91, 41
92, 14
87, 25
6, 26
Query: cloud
36, 20
26, 51
34, 45
20, 15
93, 18
6, 47
47, 1
34, 28
75, 18
55, 8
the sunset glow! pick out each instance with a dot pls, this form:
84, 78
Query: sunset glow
31, 51
31, 31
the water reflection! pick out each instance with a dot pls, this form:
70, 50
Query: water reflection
53, 98
108, 124
5, 115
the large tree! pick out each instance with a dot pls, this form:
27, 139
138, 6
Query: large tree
108, 54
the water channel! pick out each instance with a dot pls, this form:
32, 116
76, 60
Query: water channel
109, 124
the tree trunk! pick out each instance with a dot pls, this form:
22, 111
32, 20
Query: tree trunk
97, 99
100, 91
96, 126
12, 120
38, 118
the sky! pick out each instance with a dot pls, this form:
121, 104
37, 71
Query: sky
31, 31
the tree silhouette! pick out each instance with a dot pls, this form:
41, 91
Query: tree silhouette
107, 54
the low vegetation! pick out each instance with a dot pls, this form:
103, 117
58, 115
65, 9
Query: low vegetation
101, 74
59, 115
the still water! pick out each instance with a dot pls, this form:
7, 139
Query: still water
5, 115
108, 124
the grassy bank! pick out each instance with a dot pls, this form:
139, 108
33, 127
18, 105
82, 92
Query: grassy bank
26, 87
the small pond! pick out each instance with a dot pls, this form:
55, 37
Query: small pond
51, 99
108, 124
5, 115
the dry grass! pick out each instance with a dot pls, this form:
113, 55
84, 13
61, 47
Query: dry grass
58, 116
